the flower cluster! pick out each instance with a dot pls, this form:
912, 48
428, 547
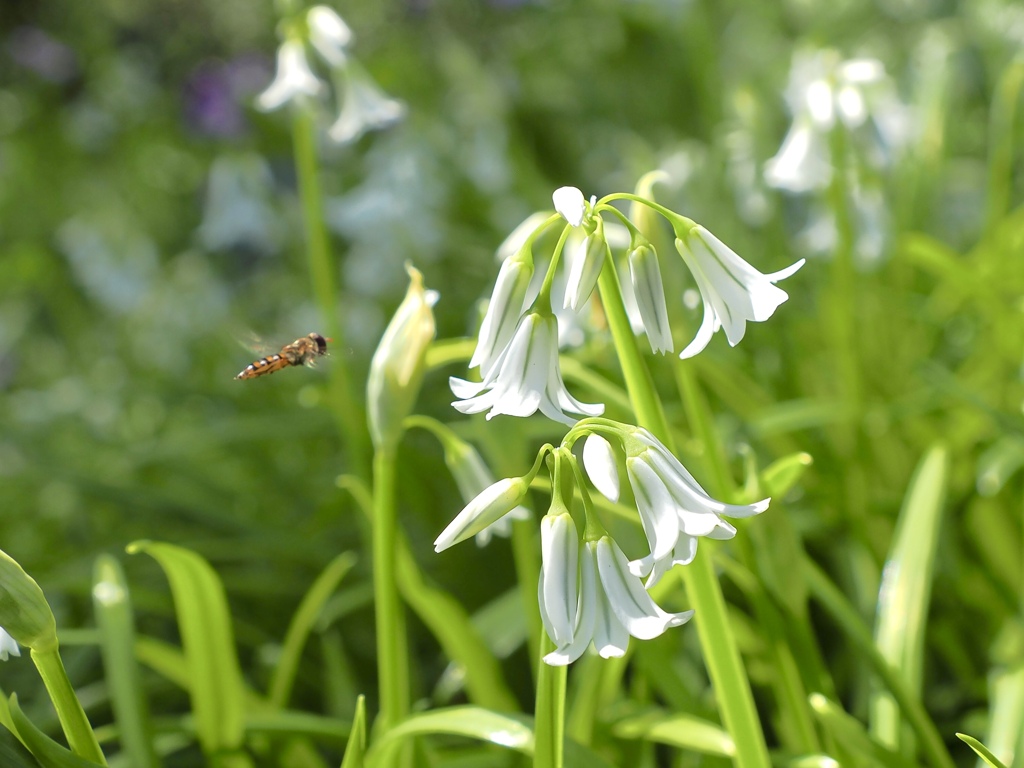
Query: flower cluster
363, 106
517, 350
825, 95
589, 591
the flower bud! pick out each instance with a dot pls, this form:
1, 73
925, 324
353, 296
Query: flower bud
24, 612
396, 370
649, 290
586, 269
493, 503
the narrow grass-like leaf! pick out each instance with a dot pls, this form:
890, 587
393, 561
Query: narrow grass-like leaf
906, 589
982, 751
302, 622
1006, 703
849, 620
677, 730
113, 611
48, 752
850, 734
13, 753
214, 678
355, 750
472, 722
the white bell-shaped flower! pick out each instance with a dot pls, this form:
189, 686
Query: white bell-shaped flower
293, 79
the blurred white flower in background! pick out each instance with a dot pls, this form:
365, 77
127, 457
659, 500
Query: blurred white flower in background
826, 94
362, 105
8, 646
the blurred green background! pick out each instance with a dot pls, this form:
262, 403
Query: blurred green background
149, 220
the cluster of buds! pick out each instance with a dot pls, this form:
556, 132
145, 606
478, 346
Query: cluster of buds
362, 105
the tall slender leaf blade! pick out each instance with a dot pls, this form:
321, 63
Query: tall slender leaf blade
215, 680
906, 588
113, 611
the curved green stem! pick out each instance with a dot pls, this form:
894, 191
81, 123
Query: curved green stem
392, 649
72, 717
718, 644
347, 413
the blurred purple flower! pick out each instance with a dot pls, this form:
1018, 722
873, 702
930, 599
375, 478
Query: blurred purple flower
216, 94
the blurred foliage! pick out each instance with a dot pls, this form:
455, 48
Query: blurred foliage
149, 220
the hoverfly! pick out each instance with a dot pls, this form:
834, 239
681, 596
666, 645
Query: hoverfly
303, 351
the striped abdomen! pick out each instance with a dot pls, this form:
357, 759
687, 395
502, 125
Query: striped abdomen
263, 366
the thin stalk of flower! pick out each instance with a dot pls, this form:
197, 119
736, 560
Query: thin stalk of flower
717, 640
346, 410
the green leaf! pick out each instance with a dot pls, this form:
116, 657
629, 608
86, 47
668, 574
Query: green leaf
472, 722
214, 678
676, 730
48, 752
982, 751
302, 623
454, 630
12, 752
113, 611
851, 736
906, 588
355, 751
507, 731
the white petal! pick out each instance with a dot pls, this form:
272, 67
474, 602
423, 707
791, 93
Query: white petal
802, 163
630, 601
503, 312
569, 202
602, 469
707, 329
329, 34
365, 107
8, 645
557, 587
656, 506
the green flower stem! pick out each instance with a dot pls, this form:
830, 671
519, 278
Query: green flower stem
392, 649
527, 565
728, 677
72, 717
348, 414
549, 717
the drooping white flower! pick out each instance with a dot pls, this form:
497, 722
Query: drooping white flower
364, 106
825, 91
329, 34
570, 203
803, 162
556, 585
526, 378
611, 606
294, 78
649, 292
8, 646
490, 505
732, 290
508, 300
674, 509
472, 477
